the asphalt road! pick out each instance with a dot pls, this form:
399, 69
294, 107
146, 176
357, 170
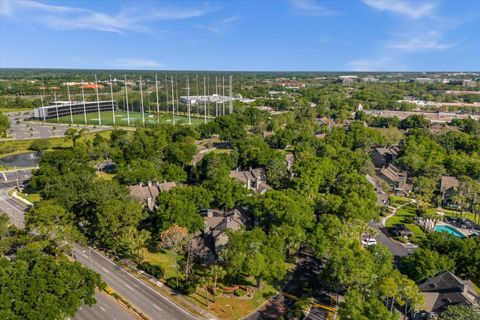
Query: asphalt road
142, 296
397, 249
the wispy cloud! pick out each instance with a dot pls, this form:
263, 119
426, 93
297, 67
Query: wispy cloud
428, 41
73, 18
310, 8
221, 26
410, 9
381, 63
135, 63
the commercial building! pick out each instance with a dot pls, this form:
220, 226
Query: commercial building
65, 109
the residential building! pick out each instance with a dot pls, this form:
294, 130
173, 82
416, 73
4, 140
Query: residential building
209, 242
253, 179
448, 188
382, 196
147, 194
396, 178
326, 122
446, 289
469, 83
369, 80
384, 156
424, 80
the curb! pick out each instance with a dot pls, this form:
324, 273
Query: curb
25, 201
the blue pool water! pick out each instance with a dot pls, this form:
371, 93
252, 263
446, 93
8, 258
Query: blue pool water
448, 229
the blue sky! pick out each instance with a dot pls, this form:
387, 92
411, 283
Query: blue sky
277, 35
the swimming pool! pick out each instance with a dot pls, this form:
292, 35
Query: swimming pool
449, 229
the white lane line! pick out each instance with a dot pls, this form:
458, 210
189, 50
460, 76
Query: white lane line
129, 287
103, 309
154, 305
105, 270
135, 279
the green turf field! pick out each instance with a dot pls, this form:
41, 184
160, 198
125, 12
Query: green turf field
122, 120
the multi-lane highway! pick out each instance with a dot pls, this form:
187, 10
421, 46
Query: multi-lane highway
145, 299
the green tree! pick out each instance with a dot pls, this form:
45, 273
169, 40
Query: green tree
181, 206
425, 263
75, 134
4, 125
53, 224
37, 286
40, 145
460, 312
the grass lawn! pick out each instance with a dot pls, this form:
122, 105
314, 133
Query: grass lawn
458, 214
163, 259
31, 197
238, 307
405, 215
20, 146
396, 201
105, 176
5, 110
121, 118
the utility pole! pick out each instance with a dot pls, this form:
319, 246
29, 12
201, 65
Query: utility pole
126, 101
141, 102
166, 89
216, 98
205, 99
158, 106
173, 99
113, 105
98, 102
176, 93
84, 107
188, 100
230, 96
70, 103
223, 95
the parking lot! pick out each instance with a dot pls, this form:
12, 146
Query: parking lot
23, 128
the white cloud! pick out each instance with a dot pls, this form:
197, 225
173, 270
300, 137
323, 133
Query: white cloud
429, 41
310, 8
220, 27
413, 10
72, 18
383, 63
135, 63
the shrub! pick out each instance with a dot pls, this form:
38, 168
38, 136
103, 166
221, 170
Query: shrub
151, 269
39, 145
239, 292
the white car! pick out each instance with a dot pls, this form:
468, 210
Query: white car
367, 242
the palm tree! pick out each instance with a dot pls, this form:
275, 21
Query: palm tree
75, 134
216, 272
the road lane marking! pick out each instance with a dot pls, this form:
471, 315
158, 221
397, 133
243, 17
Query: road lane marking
129, 287
157, 307
103, 308
105, 270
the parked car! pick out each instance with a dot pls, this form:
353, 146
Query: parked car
368, 242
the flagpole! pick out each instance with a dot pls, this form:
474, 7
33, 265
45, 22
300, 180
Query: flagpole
230, 96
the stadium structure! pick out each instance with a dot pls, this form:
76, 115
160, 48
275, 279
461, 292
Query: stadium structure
61, 109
